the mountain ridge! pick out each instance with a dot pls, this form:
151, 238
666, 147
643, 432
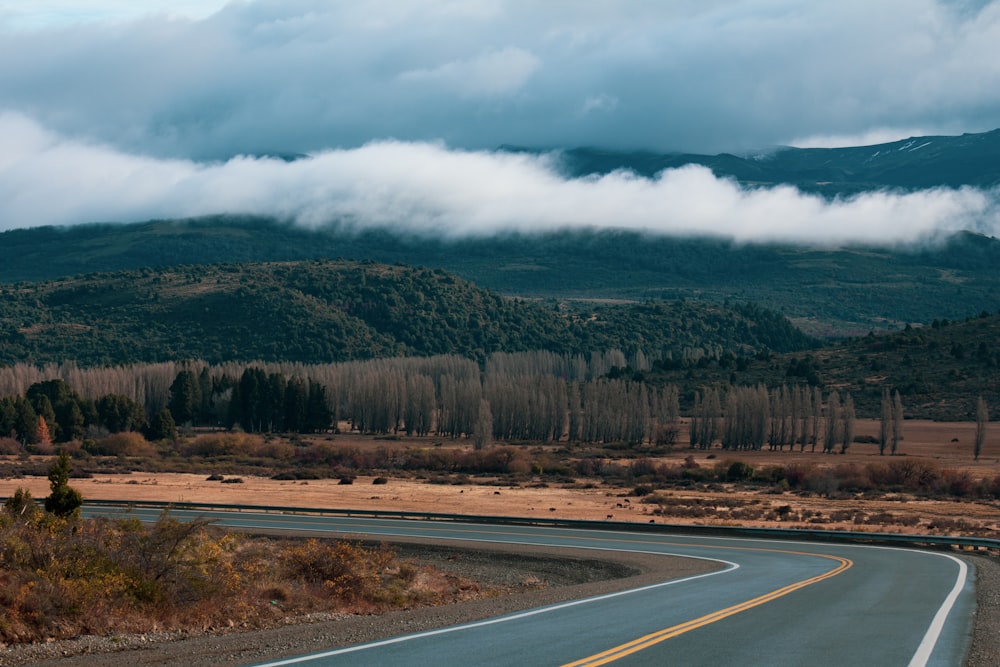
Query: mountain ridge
971, 159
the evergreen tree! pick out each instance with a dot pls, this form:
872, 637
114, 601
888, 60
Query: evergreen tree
25, 421
46, 413
207, 391
296, 406
185, 397
64, 500
119, 413
65, 418
318, 415
162, 426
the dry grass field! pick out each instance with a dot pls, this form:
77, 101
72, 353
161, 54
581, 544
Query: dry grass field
946, 446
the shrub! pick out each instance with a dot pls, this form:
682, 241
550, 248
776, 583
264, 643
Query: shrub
223, 444
9, 446
126, 443
739, 471
21, 506
343, 569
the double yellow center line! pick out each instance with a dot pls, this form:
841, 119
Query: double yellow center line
651, 639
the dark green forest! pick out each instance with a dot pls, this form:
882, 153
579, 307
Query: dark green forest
940, 368
828, 292
322, 311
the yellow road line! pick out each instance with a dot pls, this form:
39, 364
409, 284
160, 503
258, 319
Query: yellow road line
651, 639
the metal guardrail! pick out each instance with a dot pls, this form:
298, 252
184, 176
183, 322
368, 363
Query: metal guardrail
940, 541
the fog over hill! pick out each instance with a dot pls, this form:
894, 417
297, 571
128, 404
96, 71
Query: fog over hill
432, 190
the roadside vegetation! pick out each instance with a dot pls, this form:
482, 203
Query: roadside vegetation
64, 576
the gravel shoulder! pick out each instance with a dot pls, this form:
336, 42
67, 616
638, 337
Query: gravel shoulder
537, 575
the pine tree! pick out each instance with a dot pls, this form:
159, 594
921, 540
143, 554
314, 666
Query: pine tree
64, 501
185, 397
162, 426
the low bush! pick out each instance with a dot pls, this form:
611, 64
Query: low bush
67, 577
126, 443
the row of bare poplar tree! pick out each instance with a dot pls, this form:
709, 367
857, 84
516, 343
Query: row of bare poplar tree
795, 416
535, 396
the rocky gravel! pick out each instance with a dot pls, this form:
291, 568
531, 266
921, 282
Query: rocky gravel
535, 576
985, 649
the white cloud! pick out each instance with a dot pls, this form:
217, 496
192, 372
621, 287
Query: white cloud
428, 188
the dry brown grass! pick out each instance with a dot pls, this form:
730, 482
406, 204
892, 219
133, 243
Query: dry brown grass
945, 447
63, 578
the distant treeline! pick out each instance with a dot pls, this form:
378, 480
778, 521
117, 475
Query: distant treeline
536, 397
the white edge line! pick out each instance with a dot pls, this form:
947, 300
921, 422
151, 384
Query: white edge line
518, 615
930, 639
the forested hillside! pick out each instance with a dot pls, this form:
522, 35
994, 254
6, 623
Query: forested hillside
826, 291
322, 311
940, 369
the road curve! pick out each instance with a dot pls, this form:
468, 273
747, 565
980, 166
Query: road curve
777, 603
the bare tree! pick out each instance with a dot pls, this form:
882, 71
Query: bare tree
482, 433
897, 421
848, 428
833, 422
885, 431
982, 417
817, 416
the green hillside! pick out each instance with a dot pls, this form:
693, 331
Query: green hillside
826, 291
322, 310
940, 369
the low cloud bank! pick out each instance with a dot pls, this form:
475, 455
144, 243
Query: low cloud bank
427, 188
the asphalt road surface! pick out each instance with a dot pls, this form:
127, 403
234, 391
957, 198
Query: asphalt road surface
775, 603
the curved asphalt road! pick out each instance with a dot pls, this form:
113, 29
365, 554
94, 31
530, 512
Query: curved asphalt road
774, 603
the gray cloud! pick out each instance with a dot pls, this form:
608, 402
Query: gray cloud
429, 188
311, 75
109, 114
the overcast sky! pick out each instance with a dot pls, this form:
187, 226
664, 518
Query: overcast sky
123, 110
